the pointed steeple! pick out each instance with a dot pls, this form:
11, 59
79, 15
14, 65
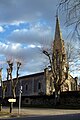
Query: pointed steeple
58, 35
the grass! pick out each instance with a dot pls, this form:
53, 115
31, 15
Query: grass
4, 113
8, 114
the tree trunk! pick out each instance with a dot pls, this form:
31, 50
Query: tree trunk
57, 94
14, 94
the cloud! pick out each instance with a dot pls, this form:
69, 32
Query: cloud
37, 34
30, 57
1, 29
13, 11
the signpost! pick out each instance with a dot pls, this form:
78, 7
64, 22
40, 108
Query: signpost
11, 103
11, 100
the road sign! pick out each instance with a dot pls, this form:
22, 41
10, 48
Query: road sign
11, 100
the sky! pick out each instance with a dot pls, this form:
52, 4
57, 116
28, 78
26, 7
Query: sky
26, 27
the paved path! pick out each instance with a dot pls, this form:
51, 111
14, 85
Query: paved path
40, 112
46, 111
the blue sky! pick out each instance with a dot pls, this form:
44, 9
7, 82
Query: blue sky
26, 27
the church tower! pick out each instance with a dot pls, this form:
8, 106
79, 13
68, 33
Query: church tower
58, 79
59, 63
59, 56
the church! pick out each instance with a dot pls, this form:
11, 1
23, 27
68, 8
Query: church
60, 66
43, 83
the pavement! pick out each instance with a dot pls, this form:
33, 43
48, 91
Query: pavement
36, 112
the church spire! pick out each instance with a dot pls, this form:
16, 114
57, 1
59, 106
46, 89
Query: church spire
58, 35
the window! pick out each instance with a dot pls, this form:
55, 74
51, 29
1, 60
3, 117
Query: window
39, 85
27, 100
26, 87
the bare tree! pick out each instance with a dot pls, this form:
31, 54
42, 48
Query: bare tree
56, 65
72, 57
71, 8
3, 86
70, 51
9, 73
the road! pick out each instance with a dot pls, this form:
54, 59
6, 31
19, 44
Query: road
53, 117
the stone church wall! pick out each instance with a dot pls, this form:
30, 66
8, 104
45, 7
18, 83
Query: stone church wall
68, 99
